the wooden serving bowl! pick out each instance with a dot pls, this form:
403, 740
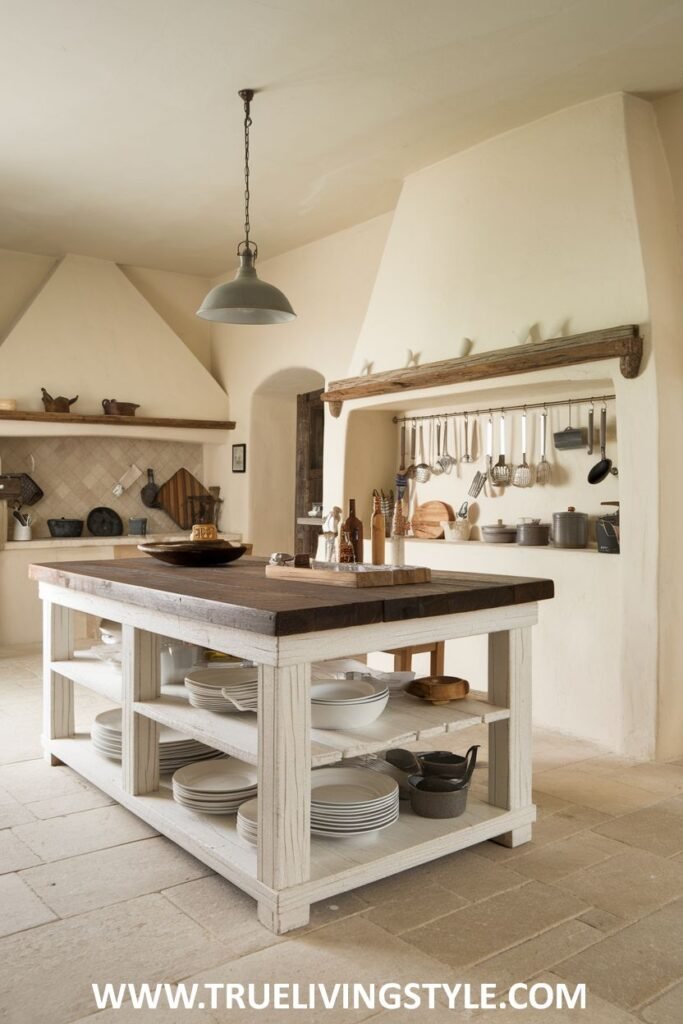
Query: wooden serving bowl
439, 689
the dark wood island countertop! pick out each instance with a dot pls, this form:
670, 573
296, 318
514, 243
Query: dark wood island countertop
240, 596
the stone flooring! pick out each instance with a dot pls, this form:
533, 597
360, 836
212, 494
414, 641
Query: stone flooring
89, 893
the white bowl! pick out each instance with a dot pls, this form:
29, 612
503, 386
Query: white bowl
458, 531
347, 716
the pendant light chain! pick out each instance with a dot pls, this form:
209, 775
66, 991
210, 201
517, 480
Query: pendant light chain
247, 96
248, 124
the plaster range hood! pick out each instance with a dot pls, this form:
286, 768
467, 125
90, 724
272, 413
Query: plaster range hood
89, 331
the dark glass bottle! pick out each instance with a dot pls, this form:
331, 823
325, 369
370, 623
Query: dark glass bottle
353, 528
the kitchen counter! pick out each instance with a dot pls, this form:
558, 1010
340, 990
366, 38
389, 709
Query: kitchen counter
98, 542
285, 627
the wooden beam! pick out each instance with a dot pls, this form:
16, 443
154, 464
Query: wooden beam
115, 421
623, 342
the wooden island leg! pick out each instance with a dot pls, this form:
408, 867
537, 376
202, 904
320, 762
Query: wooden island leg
510, 750
284, 789
140, 681
58, 692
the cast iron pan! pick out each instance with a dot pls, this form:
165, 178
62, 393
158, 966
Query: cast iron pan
104, 522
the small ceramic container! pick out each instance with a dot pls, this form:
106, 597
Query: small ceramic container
432, 797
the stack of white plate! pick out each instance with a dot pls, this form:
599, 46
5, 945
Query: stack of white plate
175, 749
351, 801
215, 787
347, 703
247, 821
240, 693
351, 668
205, 686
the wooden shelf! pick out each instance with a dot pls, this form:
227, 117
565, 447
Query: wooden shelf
309, 521
623, 342
336, 865
115, 421
404, 721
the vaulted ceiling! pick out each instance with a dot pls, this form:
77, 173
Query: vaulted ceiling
120, 130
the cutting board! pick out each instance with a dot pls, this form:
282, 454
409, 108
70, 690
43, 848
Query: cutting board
173, 495
428, 517
378, 576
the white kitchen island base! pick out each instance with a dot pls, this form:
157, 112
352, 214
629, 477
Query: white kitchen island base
290, 869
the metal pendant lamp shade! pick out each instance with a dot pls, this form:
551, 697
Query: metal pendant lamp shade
246, 299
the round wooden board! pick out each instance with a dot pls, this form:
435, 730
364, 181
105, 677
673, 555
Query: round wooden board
426, 521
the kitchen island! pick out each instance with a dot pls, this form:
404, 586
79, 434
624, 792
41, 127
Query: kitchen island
284, 627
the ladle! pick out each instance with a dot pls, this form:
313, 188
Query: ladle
604, 467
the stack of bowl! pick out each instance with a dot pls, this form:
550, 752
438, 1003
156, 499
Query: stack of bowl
347, 703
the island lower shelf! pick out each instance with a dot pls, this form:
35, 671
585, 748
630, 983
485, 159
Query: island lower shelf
336, 865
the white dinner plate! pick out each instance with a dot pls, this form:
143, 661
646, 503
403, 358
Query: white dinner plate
221, 676
221, 776
350, 786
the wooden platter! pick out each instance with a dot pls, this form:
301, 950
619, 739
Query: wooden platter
427, 519
378, 576
173, 495
439, 689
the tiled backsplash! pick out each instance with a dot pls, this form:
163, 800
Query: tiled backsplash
78, 473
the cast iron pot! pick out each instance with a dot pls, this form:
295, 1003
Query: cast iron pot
65, 527
432, 797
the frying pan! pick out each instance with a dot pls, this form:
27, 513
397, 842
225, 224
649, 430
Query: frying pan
603, 468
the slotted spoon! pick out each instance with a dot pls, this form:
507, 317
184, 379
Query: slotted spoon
447, 461
522, 476
543, 467
500, 474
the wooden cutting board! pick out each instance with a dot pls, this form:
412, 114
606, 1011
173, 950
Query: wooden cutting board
380, 576
428, 517
173, 495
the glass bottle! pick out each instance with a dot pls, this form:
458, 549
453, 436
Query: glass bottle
353, 528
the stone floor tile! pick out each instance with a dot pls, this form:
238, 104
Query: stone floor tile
225, 911
555, 860
353, 950
628, 885
14, 855
547, 804
665, 779
635, 964
13, 813
37, 780
473, 877
665, 1009
20, 907
604, 794
128, 1014
83, 832
70, 803
482, 930
658, 829
403, 912
602, 920
552, 827
46, 973
597, 1011
538, 954
98, 879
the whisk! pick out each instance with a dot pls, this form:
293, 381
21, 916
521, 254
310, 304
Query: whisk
543, 467
522, 476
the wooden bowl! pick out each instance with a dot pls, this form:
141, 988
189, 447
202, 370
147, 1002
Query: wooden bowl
194, 552
439, 689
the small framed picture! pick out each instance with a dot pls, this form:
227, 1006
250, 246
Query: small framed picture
239, 458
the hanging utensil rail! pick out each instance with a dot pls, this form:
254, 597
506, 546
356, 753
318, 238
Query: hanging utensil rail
505, 408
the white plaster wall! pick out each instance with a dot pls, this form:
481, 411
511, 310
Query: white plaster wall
657, 188
89, 332
329, 284
539, 227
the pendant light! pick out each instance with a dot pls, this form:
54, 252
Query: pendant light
247, 299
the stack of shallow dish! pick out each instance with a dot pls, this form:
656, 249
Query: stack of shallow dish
347, 703
205, 686
241, 693
351, 801
247, 821
175, 749
218, 787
